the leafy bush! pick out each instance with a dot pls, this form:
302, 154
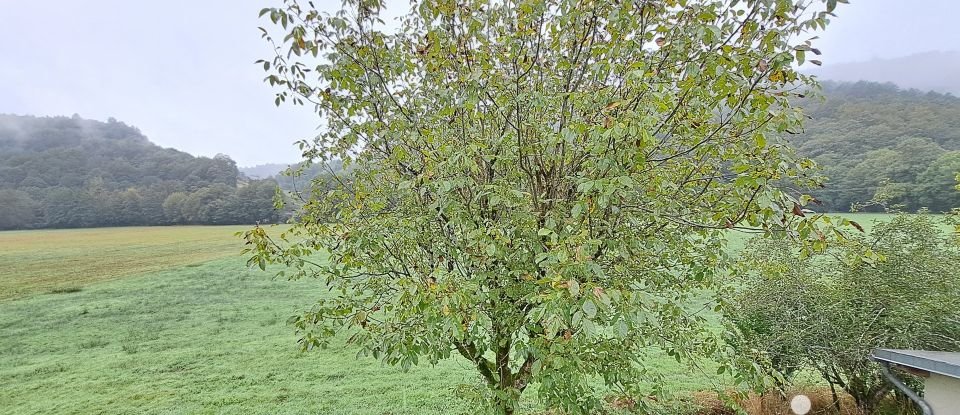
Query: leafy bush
897, 287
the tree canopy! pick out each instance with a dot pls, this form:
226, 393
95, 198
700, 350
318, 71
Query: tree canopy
541, 187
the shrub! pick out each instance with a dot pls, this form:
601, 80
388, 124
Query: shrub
897, 287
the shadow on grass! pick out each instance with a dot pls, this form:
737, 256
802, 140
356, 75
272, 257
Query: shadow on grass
65, 290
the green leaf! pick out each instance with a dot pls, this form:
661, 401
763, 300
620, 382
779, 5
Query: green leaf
589, 308
589, 328
574, 287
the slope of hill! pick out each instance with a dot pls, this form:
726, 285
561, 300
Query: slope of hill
71, 172
298, 177
263, 171
872, 137
928, 71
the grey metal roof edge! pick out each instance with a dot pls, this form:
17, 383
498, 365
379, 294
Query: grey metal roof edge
903, 358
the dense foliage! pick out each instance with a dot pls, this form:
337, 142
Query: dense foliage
542, 187
65, 172
897, 287
875, 140
876, 143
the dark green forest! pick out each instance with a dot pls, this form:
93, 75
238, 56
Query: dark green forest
872, 140
69, 172
875, 139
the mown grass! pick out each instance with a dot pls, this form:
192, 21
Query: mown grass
182, 334
195, 340
169, 321
64, 261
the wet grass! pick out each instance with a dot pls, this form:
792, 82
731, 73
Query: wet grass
170, 321
195, 340
62, 261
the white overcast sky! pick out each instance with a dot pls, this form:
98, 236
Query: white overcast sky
182, 71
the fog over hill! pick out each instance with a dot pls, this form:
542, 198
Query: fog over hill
928, 71
263, 171
71, 172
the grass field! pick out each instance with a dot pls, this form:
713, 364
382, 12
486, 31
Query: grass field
169, 321
202, 335
63, 260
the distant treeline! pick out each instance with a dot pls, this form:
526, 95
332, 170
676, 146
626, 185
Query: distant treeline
878, 140
68, 172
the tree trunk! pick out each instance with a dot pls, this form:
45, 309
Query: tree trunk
867, 405
874, 398
505, 399
836, 399
504, 406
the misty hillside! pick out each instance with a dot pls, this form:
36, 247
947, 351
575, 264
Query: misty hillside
297, 180
68, 172
929, 71
867, 135
44, 152
263, 171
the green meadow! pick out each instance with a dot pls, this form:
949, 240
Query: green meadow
192, 335
168, 320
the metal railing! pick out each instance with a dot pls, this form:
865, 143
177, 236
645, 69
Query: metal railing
885, 368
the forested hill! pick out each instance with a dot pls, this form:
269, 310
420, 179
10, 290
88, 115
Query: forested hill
868, 134
63, 172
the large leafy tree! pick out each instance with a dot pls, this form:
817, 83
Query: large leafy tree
542, 187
